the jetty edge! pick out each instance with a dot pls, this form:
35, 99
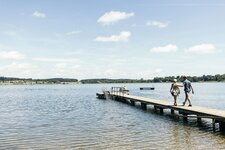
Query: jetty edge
119, 94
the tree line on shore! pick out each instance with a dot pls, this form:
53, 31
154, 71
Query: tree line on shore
204, 78
27, 80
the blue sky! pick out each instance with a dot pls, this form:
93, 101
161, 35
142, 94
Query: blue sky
111, 39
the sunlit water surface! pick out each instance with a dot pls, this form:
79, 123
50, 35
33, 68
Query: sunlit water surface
70, 117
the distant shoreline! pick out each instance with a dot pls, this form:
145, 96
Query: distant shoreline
33, 83
29, 81
75, 83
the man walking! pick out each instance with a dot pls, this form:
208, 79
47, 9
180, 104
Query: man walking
187, 89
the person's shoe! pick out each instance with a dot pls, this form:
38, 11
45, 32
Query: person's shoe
183, 103
175, 104
189, 105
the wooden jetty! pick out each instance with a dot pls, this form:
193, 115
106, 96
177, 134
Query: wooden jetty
217, 116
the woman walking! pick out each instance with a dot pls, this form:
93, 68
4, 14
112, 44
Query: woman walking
175, 91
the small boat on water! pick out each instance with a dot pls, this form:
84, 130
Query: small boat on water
147, 88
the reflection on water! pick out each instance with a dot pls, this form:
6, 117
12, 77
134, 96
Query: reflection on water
70, 117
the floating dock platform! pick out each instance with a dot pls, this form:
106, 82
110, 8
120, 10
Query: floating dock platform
147, 88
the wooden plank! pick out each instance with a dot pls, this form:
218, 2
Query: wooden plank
146, 100
196, 110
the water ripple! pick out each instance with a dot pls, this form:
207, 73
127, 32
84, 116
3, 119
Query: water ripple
70, 117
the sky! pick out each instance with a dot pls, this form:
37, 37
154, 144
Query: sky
111, 39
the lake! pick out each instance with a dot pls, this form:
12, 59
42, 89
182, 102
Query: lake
71, 117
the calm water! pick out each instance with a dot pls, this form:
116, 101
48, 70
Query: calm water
70, 117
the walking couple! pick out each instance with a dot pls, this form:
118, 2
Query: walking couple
175, 91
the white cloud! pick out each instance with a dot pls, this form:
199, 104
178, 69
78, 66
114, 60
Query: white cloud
157, 71
39, 14
62, 69
148, 73
10, 33
123, 36
202, 49
61, 65
45, 59
113, 17
157, 24
165, 49
13, 55
17, 69
73, 32
20, 66
110, 72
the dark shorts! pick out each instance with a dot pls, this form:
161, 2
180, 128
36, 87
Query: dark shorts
173, 93
187, 92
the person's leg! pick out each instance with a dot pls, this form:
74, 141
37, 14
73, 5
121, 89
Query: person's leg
186, 97
175, 100
189, 100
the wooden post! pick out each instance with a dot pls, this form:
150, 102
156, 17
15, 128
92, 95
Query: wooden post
161, 110
214, 124
199, 120
155, 108
120, 99
222, 126
185, 117
132, 103
117, 98
144, 106
172, 111
123, 100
